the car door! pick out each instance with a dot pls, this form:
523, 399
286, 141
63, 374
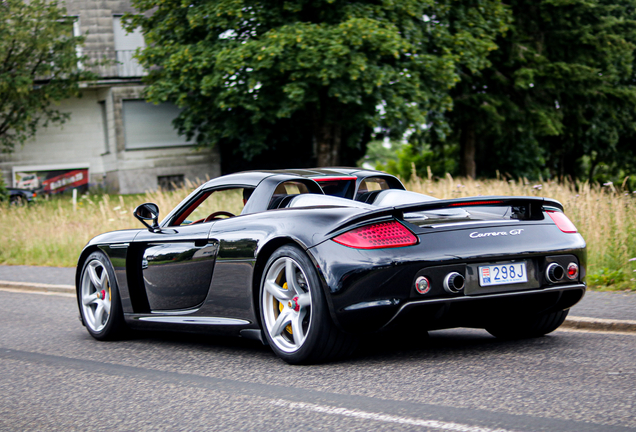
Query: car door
231, 287
177, 266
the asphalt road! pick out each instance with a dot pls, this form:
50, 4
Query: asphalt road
54, 376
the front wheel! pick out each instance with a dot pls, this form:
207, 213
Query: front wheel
99, 302
294, 311
529, 327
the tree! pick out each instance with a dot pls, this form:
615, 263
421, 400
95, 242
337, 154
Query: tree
331, 70
39, 66
559, 96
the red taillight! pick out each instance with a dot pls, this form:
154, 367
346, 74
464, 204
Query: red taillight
380, 235
562, 221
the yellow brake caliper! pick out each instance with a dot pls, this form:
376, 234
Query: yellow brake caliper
280, 309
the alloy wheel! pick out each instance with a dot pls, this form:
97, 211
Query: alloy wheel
96, 295
286, 303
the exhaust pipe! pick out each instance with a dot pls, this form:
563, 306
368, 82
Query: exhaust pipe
453, 282
554, 273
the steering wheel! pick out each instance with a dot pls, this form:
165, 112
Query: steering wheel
218, 213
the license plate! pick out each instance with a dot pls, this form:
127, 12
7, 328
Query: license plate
503, 274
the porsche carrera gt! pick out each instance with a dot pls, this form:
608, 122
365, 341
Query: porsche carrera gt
307, 261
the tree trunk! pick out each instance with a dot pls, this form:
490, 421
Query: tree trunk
593, 164
327, 138
567, 161
468, 166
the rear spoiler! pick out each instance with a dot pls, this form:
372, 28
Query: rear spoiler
528, 208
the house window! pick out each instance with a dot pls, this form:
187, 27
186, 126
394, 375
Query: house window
125, 46
149, 126
102, 106
77, 32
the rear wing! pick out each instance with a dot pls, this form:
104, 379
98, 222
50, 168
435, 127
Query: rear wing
525, 208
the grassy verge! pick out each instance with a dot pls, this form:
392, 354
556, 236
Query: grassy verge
52, 232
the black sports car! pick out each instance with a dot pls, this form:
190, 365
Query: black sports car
269, 256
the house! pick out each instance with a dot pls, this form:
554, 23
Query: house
114, 138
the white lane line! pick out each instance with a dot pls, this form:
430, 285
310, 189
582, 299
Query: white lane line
448, 426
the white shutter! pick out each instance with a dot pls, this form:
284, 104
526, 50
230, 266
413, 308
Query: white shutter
126, 41
147, 125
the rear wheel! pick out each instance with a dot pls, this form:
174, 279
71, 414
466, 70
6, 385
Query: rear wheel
16, 200
99, 298
294, 311
528, 327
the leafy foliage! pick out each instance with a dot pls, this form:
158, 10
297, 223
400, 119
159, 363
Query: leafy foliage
38, 67
331, 70
560, 88
406, 159
4, 194
609, 278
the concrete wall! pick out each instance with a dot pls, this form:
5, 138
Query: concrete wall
80, 140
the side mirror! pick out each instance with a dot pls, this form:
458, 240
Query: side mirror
148, 211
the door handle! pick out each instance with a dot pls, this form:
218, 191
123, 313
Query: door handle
200, 243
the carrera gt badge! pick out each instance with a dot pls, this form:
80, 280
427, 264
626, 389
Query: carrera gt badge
512, 232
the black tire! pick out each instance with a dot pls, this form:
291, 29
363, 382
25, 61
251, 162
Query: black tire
529, 327
317, 339
90, 295
17, 200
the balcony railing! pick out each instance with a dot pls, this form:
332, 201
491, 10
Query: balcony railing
114, 64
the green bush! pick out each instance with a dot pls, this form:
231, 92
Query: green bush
4, 193
607, 278
405, 159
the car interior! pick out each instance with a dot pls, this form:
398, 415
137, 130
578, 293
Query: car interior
369, 189
285, 192
214, 205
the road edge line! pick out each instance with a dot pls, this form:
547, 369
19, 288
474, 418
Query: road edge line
603, 324
37, 287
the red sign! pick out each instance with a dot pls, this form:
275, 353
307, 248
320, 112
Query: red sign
67, 180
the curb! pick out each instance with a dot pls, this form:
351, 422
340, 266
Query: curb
571, 322
38, 287
584, 323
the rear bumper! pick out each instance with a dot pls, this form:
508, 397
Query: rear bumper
479, 311
462, 311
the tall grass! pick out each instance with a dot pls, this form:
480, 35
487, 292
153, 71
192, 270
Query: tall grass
52, 232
